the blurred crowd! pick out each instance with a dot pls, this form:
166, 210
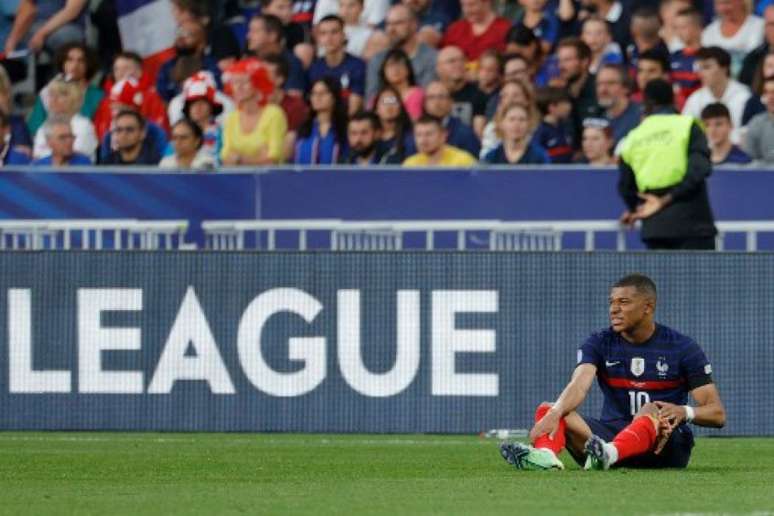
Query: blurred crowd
412, 82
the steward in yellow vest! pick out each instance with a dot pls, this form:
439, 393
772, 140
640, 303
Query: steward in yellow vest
663, 169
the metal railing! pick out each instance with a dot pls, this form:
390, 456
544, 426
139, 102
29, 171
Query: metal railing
495, 235
98, 234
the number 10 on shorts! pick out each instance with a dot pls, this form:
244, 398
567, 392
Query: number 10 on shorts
637, 399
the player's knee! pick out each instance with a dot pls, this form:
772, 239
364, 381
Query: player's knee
546, 405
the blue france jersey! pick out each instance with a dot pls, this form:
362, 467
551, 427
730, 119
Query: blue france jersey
665, 368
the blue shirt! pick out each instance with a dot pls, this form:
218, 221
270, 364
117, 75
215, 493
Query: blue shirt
664, 368
735, 156
76, 159
316, 149
296, 77
547, 28
350, 73
533, 155
462, 136
556, 140
626, 121
13, 157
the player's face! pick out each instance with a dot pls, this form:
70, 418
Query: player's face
628, 309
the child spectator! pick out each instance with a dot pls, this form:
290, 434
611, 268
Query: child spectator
688, 26
554, 133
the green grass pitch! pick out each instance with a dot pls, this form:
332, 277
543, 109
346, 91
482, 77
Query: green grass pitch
216, 474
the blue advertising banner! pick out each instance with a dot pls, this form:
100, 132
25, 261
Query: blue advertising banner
348, 342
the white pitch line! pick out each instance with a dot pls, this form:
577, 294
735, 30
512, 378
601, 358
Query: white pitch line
257, 441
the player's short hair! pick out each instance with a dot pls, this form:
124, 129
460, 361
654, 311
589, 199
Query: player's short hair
715, 110
641, 283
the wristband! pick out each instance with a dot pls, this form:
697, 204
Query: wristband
689, 413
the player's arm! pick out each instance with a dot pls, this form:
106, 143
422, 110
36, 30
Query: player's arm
570, 398
709, 410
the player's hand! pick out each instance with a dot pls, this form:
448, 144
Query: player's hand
664, 432
548, 424
673, 414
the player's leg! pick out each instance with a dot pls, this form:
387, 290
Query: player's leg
637, 438
544, 452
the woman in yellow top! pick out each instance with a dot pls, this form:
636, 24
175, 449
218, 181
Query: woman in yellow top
254, 133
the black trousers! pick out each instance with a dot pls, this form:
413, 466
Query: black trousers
692, 243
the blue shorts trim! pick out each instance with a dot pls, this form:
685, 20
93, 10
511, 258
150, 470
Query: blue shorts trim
676, 453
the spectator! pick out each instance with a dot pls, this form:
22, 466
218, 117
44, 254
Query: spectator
78, 64
363, 135
397, 141
432, 150
202, 106
129, 65
9, 155
200, 81
254, 133
222, 45
59, 138
397, 72
519, 92
189, 153
490, 74
574, 58
363, 40
432, 20
514, 126
52, 23
190, 57
613, 97
515, 68
373, 13
337, 63
765, 69
401, 29
541, 21
131, 145
717, 125
478, 30
652, 64
554, 133
667, 11
752, 61
264, 38
509, 9
294, 33
522, 41
20, 140
295, 108
688, 26
735, 30
64, 99
646, 30
322, 140
718, 86
596, 34
438, 103
759, 139
469, 101
597, 143
126, 95
615, 14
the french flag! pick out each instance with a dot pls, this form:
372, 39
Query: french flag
148, 28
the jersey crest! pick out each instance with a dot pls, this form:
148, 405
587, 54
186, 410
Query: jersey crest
637, 366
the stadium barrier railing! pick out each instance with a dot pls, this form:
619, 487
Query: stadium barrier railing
94, 234
494, 235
